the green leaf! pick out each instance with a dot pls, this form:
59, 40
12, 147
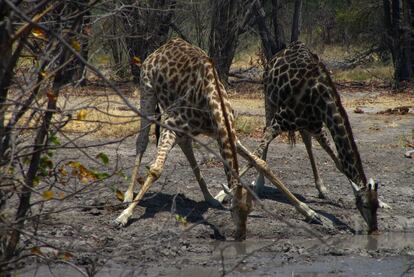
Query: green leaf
36, 181
123, 175
103, 157
113, 188
181, 219
45, 162
54, 139
101, 175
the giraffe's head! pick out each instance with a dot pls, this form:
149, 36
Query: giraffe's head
241, 206
367, 203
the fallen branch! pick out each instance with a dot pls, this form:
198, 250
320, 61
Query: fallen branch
246, 80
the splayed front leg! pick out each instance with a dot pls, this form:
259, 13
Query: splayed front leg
129, 194
166, 144
123, 218
301, 207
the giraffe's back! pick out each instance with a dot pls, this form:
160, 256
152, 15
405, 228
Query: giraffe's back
297, 90
181, 77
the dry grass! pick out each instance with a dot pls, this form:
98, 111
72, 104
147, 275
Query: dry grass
247, 104
381, 101
334, 52
116, 121
115, 124
100, 114
247, 56
369, 74
246, 124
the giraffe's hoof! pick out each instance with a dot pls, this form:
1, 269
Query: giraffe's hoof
323, 195
384, 205
320, 219
214, 203
322, 191
223, 197
258, 187
122, 220
128, 197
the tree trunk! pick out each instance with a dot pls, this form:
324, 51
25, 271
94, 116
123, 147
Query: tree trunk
407, 42
296, 22
147, 27
277, 29
271, 44
6, 74
73, 73
399, 37
40, 141
225, 17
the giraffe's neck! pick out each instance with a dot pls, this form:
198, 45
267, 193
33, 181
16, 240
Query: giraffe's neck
340, 129
338, 124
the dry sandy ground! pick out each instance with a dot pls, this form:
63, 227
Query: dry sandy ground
173, 232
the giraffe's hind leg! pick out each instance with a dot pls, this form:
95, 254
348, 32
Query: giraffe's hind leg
186, 146
320, 186
270, 134
165, 145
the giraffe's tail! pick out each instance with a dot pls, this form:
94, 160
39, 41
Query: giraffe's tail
157, 126
292, 138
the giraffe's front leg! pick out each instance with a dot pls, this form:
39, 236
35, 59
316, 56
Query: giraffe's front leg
167, 142
271, 133
262, 166
129, 194
123, 218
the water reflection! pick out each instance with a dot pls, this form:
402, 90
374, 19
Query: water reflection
391, 241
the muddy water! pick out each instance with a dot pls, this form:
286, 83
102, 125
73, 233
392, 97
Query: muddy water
386, 241
336, 256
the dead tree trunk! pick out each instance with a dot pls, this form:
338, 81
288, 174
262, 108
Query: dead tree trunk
277, 29
60, 66
399, 37
296, 22
225, 18
146, 27
79, 40
271, 43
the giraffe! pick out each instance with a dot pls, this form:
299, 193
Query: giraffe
181, 80
300, 96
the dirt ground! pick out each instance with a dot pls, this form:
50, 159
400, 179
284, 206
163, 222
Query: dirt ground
173, 232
